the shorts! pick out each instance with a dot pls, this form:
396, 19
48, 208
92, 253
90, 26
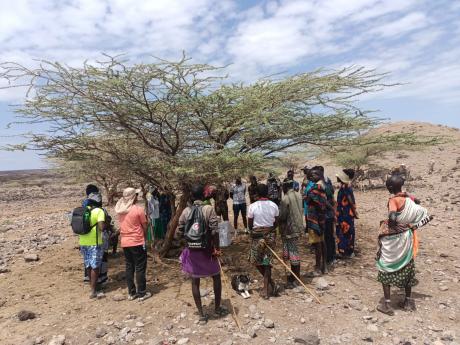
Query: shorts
92, 256
239, 207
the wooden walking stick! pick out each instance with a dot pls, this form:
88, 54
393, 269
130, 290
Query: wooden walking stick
224, 277
293, 274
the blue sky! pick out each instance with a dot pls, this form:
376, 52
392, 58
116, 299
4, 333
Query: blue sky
417, 42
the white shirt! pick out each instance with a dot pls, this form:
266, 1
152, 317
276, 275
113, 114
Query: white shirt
263, 212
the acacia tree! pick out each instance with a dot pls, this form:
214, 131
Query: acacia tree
173, 123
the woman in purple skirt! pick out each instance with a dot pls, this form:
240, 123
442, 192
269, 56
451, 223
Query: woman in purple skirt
198, 262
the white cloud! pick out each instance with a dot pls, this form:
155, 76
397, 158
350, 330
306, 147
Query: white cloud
404, 37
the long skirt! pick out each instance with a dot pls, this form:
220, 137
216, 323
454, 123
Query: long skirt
345, 231
405, 277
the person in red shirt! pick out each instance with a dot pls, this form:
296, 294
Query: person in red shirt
133, 229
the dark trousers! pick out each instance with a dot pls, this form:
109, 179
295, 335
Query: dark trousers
136, 261
329, 238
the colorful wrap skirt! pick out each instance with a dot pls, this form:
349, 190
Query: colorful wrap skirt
405, 277
259, 254
291, 251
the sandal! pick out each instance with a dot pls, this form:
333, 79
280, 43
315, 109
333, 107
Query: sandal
221, 312
203, 320
385, 310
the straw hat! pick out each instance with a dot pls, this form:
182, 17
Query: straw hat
343, 177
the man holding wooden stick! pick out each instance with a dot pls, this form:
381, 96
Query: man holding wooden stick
263, 219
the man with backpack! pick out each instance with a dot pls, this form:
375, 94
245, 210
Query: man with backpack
198, 224
89, 223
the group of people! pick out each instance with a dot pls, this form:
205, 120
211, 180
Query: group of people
276, 209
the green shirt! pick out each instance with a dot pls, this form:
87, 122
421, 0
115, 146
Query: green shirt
89, 239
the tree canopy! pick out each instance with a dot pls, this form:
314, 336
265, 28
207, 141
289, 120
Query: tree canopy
173, 123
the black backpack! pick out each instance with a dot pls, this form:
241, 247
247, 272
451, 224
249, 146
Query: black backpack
195, 229
81, 220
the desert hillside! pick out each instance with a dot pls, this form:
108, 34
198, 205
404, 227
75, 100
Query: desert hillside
41, 272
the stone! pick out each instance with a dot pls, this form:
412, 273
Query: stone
252, 308
308, 339
321, 284
252, 332
139, 324
448, 336
443, 288
100, 332
139, 342
118, 297
302, 320
39, 340
372, 328
438, 342
57, 340
368, 339
183, 341
269, 323
4, 269
25, 315
168, 327
31, 257
110, 340
124, 332
355, 304
272, 340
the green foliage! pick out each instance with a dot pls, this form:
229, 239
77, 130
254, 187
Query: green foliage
363, 150
172, 123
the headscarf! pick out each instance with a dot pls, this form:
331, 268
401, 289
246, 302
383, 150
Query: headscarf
94, 199
124, 204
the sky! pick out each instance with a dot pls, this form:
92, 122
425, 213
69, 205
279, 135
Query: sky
416, 42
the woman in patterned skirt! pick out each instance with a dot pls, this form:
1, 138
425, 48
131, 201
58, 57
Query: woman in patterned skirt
346, 214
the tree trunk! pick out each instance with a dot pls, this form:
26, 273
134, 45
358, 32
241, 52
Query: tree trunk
173, 223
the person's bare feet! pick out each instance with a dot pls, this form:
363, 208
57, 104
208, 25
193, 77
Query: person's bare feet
408, 304
385, 308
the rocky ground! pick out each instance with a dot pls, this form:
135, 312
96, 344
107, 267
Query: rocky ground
43, 299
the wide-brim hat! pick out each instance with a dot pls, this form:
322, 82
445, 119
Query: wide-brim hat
343, 177
130, 192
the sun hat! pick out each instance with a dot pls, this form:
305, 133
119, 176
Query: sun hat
124, 204
343, 177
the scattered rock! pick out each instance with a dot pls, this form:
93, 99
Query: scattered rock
252, 332
31, 257
368, 339
269, 323
139, 342
309, 339
39, 340
4, 269
100, 332
321, 284
355, 304
443, 288
57, 340
372, 328
183, 341
25, 315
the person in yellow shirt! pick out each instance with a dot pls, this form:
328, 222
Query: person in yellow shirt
91, 243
